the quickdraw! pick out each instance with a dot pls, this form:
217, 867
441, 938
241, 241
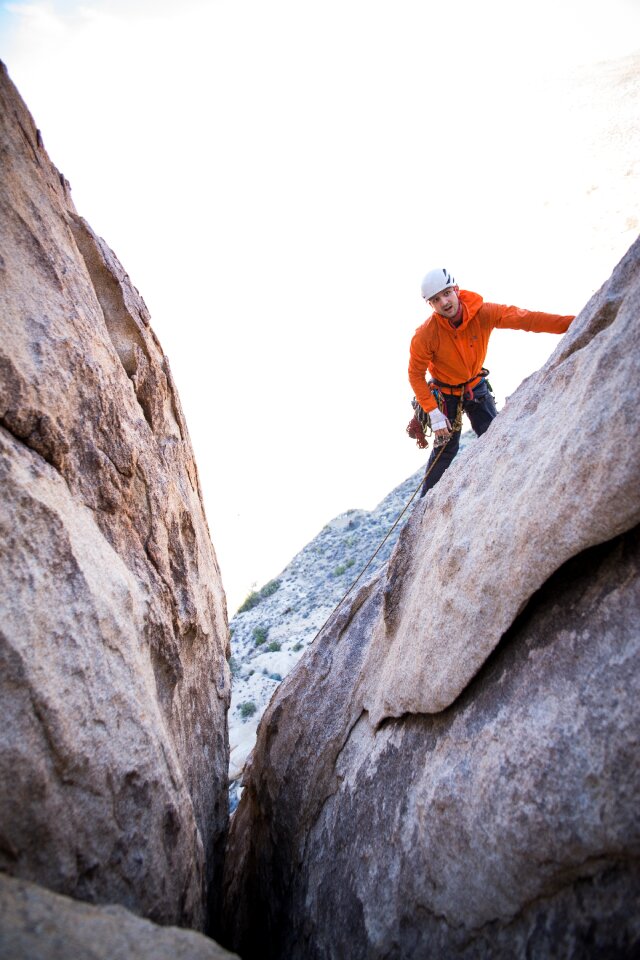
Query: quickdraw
419, 428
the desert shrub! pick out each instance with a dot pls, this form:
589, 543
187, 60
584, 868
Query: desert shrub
254, 598
298, 646
260, 634
250, 601
339, 570
276, 676
269, 588
247, 709
273, 647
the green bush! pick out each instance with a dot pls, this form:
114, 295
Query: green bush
269, 588
251, 600
297, 647
339, 570
254, 598
260, 634
273, 647
247, 709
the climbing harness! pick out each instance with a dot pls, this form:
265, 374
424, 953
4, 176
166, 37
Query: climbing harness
466, 393
419, 428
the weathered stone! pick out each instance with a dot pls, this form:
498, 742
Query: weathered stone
506, 824
40, 925
533, 492
113, 679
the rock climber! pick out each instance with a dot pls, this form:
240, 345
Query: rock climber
451, 346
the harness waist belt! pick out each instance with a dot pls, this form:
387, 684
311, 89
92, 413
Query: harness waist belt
457, 388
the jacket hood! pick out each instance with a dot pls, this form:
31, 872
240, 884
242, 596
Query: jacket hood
471, 303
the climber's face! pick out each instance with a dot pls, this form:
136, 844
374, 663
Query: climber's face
446, 303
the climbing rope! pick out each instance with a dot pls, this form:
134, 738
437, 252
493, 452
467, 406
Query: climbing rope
457, 425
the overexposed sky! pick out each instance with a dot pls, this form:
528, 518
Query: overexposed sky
277, 177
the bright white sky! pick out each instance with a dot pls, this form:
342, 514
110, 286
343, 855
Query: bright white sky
277, 177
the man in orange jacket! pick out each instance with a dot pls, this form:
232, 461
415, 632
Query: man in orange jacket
451, 346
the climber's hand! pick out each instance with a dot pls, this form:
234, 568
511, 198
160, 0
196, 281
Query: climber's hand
440, 426
441, 436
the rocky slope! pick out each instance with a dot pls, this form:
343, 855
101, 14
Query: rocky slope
113, 640
450, 771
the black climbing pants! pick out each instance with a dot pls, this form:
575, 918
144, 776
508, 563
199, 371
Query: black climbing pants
481, 411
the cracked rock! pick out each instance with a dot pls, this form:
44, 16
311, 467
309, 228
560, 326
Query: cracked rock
451, 770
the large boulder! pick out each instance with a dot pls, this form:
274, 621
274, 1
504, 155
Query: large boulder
451, 770
40, 925
113, 638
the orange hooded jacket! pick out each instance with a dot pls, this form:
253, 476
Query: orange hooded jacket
456, 355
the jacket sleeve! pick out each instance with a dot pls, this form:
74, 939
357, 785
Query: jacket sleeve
514, 318
420, 356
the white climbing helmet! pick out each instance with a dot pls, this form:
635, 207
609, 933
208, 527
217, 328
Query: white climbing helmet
435, 281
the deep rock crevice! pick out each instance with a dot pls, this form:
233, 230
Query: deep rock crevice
495, 816
482, 702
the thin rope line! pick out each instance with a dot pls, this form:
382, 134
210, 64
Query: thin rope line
381, 545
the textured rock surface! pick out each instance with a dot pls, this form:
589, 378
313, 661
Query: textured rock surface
290, 610
113, 679
556, 476
507, 823
40, 925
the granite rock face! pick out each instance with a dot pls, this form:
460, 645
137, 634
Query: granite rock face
40, 925
451, 769
558, 475
113, 638
271, 633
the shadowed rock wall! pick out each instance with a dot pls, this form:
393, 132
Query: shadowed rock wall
113, 638
451, 770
